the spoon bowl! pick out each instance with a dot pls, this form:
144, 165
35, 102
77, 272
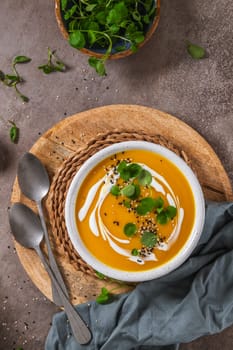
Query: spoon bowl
27, 230
26, 226
33, 177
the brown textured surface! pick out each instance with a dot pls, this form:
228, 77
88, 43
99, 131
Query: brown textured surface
63, 149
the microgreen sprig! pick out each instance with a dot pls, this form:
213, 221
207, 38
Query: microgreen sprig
53, 64
12, 80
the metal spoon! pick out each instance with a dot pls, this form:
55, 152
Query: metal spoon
34, 182
27, 230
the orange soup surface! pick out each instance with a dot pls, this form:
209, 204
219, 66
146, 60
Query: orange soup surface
135, 210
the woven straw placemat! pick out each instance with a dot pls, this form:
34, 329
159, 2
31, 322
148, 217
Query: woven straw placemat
62, 179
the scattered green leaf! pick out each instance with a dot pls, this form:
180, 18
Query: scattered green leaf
130, 229
195, 51
98, 64
14, 132
53, 64
11, 80
104, 296
100, 275
149, 239
21, 59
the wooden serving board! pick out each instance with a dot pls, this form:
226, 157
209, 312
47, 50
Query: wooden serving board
73, 133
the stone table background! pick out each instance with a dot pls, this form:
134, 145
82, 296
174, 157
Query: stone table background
160, 75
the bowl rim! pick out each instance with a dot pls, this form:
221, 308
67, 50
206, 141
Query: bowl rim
184, 252
113, 56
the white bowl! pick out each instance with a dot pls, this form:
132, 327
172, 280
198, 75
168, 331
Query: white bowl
184, 252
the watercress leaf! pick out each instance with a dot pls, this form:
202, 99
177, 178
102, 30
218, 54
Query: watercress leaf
93, 26
24, 98
125, 174
128, 190
100, 68
77, 39
134, 48
131, 28
21, 59
171, 211
149, 239
11, 80
144, 177
100, 275
13, 77
101, 17
126, 204
92, 61
162, 218
195, 51
136, 16
137, 192
60, 66
114, 28
104, 291
124, 23
159, 202
146, 19
113, 17
145, 206
14, 132
138, 37
104, 296
121, 10
134, 169
2, 76
90, 7
115, 190
64, 4
91, 37
98, 64
130, 229
121, 166
47, 69
120, 48
70, 12
135, 252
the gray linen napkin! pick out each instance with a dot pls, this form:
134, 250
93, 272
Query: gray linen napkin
194, 300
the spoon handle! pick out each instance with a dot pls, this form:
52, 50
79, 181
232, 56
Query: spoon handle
80, 330
52, 261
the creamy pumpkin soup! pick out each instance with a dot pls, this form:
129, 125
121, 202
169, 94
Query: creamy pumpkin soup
135, 210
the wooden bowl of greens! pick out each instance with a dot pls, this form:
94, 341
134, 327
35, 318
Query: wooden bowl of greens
107, 29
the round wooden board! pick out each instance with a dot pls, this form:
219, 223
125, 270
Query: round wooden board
73, 133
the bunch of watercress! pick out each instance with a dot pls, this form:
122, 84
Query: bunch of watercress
107, 26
